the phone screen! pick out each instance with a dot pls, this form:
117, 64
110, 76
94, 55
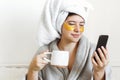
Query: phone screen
102, 41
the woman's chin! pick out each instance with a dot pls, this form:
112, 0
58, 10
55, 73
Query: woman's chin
75, 40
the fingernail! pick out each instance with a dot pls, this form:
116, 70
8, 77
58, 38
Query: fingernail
102, 47
98, 48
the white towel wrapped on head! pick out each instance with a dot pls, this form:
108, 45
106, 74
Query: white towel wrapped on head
55, 13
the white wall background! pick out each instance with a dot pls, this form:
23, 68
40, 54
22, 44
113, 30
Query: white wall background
19, 21
105, 20
18, 29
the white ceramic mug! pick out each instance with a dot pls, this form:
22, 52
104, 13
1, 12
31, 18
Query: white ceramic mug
58, 58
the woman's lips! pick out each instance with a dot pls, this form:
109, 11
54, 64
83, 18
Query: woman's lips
75, 35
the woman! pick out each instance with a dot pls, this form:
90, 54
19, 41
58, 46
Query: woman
82, 64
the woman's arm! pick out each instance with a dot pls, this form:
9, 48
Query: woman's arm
32, 75
37, 64
100, 63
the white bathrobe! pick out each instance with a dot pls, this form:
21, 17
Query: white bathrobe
82, 68
53, 16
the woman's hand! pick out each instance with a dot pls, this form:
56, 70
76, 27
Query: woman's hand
99, 63
38, 62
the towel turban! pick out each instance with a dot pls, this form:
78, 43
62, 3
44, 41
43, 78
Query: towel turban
55, 13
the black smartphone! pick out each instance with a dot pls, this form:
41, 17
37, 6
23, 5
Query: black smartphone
102, 41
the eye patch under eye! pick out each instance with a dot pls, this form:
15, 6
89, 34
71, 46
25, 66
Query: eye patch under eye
71, 28
82, 29
68, 27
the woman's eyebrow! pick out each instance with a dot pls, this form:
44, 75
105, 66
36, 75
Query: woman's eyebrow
75, 21
71, 21
82, 22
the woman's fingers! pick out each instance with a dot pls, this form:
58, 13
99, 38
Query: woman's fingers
40, 58
102, 55
94, 61
105, 52
38, 61
100, 59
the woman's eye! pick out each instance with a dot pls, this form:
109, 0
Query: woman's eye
71, 23
81, 25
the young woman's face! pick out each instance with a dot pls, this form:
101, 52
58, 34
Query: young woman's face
73, 28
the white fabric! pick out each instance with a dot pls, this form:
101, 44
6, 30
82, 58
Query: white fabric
54, 14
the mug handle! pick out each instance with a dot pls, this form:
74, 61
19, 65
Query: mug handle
46, 58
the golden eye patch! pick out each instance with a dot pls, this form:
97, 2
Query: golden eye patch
68, 27
82, 29
71, 28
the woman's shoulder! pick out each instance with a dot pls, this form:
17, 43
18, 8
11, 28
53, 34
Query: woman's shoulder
42, 49
87, 41
47, 47
92, 45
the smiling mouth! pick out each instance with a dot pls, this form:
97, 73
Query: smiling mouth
75, 35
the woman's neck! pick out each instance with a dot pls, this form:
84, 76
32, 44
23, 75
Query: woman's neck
67, 46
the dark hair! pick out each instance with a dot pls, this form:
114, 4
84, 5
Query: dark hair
71, 14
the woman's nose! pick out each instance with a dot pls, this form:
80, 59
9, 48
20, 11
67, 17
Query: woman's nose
77, 28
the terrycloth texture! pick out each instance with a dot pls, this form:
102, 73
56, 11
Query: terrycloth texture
82, 68
55, 13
